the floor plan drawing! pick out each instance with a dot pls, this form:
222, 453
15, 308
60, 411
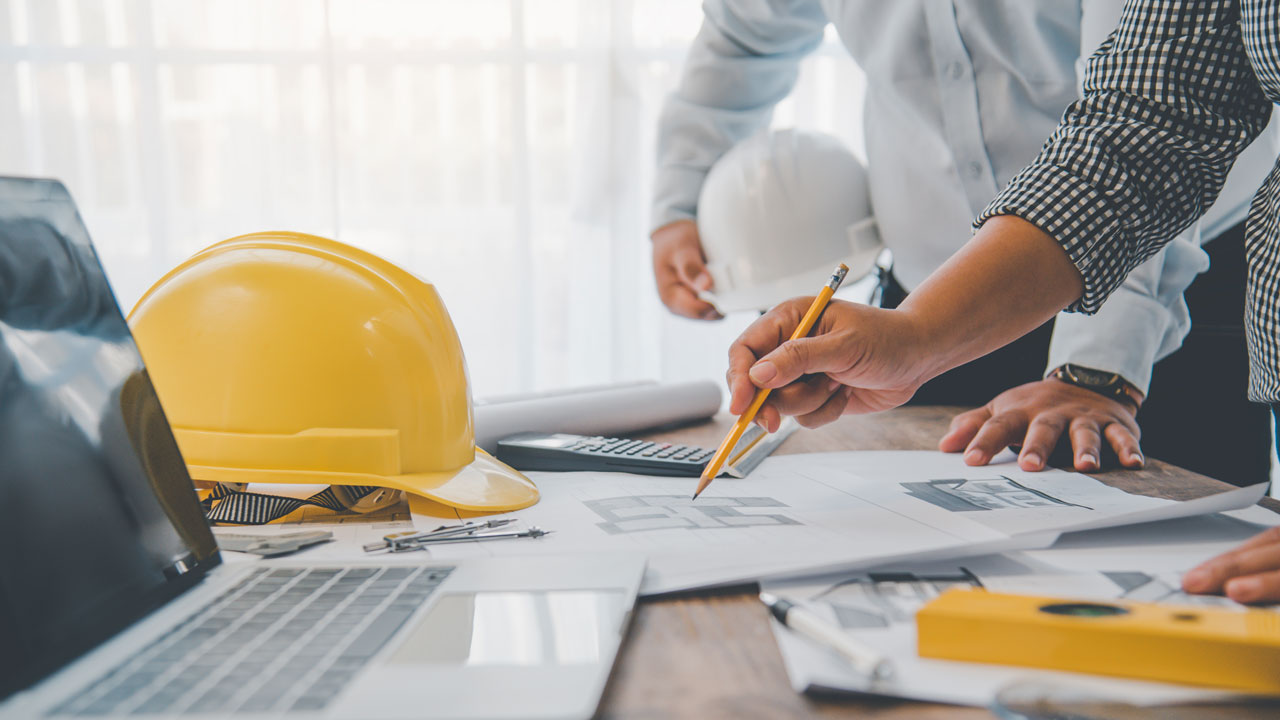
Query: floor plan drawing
810, 513
1164, 588
877, 600
960, 495
642, 513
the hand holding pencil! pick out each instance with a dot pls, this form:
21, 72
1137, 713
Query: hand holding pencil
857, 359
744, 419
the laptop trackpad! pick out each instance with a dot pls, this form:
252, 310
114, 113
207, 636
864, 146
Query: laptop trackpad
518, 654
520, 628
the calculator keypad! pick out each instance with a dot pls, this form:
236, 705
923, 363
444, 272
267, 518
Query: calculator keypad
641, 448
605, 454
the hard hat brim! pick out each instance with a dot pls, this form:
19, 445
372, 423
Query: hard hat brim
485, 485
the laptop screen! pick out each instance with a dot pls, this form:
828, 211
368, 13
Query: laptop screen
99, 522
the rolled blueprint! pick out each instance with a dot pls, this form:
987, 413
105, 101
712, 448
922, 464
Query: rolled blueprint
604, 410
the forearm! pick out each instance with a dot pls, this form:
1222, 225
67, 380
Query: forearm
745, 58
1008, 280
1146, 151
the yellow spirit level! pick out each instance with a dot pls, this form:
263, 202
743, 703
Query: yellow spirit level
1235, 648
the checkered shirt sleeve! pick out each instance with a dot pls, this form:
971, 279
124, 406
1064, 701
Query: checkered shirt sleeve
1170, 100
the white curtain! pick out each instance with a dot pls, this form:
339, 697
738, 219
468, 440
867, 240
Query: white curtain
501, 149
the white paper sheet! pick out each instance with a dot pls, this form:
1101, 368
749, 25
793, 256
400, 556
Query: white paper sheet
1017, 511
1167, 546
878, 607
607, 410
811, 513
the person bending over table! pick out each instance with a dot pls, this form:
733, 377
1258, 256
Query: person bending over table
959, 97
1170, 99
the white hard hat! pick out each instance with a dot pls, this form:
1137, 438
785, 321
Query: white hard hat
777, 212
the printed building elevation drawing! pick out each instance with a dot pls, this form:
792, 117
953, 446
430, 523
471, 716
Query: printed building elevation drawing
960, 495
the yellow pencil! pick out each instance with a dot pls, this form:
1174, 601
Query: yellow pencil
744, 421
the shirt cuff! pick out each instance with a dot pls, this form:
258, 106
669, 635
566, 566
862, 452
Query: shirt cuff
1077, 217
675, 195
1124, 337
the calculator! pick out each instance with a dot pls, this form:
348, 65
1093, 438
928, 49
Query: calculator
563, 452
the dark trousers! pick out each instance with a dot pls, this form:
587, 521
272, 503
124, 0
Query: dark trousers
1196, 414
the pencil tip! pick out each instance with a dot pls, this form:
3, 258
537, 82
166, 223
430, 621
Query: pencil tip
695, 497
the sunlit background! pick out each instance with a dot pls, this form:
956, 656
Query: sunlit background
502, 149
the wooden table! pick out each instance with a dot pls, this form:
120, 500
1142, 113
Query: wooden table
712, 654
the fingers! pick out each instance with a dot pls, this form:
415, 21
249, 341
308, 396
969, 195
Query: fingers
680, 298
1086, 444
761, 337
996, 434
1261, 587
802, 356
680, 270
989, 434
764, 356
963, 429
769, 418
1042, 436
691, 268
1211, 574
741, 389
1036, 415
1248, 574
1125, 443
830, 411
868, 400
814, 401
804, 396
1262, 539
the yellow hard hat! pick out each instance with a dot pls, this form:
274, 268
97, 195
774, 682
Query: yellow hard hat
288, 358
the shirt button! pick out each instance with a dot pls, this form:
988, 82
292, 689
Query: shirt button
974, 169
955, 70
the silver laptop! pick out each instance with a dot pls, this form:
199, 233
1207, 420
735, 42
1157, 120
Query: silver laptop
113, 598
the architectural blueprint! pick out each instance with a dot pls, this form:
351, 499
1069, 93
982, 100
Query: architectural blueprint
880, 599
801, 514
968, 495
647, 513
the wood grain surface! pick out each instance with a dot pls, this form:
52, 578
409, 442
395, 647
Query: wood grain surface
712, 655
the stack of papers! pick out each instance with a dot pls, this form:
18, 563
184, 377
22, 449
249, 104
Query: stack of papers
1141, 563
863, 539
820, 513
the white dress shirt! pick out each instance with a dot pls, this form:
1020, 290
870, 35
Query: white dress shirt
960, 96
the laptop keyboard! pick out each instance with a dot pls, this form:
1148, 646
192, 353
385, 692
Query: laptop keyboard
281, 640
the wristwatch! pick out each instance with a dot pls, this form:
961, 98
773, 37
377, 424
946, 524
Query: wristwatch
1107, 384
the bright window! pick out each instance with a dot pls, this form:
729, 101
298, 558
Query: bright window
502, 149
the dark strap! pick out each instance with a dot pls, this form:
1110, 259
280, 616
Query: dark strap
889, 292
236, 507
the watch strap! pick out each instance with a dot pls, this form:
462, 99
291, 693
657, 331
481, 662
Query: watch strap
1120, 389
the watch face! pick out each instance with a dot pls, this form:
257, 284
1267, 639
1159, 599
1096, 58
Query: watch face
1092, 378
